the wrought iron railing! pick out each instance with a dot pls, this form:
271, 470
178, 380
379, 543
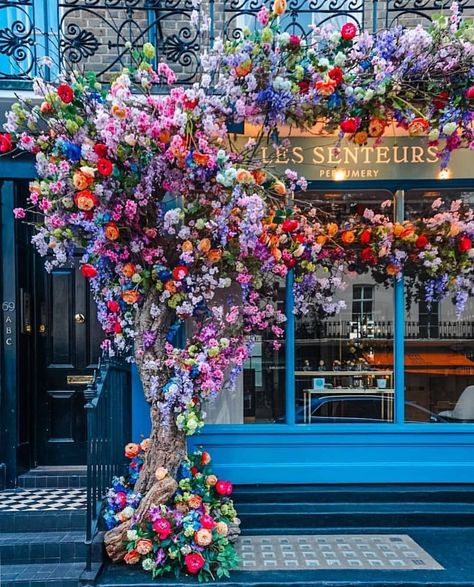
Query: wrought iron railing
108, 408
345, 329
96, 34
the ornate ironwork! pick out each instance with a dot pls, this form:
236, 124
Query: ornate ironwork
98, 34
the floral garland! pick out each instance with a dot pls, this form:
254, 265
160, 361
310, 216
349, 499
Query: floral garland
190, 534
168, 210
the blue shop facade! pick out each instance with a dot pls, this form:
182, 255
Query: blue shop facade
383, 392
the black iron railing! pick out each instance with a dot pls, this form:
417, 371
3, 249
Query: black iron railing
97, 34
343, 329
108, 409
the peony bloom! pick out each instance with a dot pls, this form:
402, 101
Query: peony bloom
65, 93
88, 271
336, 74
162, 527
211, 480
365, 236
349, 125
128, 269
131, 296
195, 502
348, 31
222, 528
144, 546
224, 487
203, 537
194, 562
207, 522
376, 127
100, 149
348, 237
113, 306
180, 272
421, 242
325, 87
132, 557
104, 166
85, 200
131, 450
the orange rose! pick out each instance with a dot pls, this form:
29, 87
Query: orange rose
279, 187
376, 127
128, 269
321, 239
279, 7
276, 253
408, 231
200, 158
203, 537
119, 111
130, 296
204, 246
243, 69
111, 231
244, 176
85, 200
211, 480
398, 229
170, 286
348, 237
361, 137
144, 546
81, 181
194, 501
132, 557
164, 136
214, 255
325, 88
418, 126
131, 450
454, 230
259, 176
332, 229
392, 269
187, 246
222, 528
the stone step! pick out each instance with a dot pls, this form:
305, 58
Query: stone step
54, 477
42, 547
42, 521
41, 575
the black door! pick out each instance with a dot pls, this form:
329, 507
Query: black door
69, 346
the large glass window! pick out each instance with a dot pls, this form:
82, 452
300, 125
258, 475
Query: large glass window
439, 346
344, 363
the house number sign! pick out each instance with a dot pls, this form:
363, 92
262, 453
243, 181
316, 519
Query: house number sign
9, 321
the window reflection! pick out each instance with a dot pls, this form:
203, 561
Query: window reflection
439, 347
344, 363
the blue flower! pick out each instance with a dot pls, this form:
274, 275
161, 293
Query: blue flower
72, 151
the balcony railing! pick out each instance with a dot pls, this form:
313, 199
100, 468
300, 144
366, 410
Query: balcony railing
345, 329
96, 34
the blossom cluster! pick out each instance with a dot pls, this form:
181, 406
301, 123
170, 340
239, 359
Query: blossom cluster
188, 535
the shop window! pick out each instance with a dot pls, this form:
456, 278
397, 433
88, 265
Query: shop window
439, 346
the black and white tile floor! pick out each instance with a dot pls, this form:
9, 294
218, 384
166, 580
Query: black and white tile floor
31, 500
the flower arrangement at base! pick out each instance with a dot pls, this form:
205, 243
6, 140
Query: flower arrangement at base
192, 534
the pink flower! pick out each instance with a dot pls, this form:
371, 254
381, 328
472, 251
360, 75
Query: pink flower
162, 527
263, 16
19, 213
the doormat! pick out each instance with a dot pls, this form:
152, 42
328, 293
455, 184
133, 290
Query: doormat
32, 500
337, 551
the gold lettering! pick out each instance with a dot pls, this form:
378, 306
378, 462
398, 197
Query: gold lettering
367, 151
331, 159
417, 154
375, 172
352, 154
318, 155
432, 155
383, 155
396, 158
265, 159
280, 153
297, 155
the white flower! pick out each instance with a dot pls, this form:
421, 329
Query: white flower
148, 564
132, 535
323, 63
449, 128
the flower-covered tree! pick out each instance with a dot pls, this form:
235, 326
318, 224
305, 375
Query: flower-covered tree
185, 236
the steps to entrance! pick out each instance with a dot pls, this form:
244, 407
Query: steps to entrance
439, 518
42, 529
54, 477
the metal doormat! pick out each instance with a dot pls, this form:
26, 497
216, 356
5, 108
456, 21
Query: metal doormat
336, 551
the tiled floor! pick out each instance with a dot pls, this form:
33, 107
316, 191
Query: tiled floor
351, 551
23, 500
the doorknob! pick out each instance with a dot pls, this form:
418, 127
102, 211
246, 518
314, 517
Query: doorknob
80, 318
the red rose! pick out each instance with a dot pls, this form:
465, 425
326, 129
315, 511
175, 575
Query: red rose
205, 458
190, 103
349, 126
121, 499
336, 74
290, 262
224, 487
180, 272
441, 100
365, 236
104, 166
421, 242
85, 200
5, 142
65, 93
290, 225
229, 488
207, 522
162, 527
294, 42
303, 86
194, 471
465, 244
367, 256
88, 271
117, 328
194, 562
100, 149
470, 93
113, 306
348, 31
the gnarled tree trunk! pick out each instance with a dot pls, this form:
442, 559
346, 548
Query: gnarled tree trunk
167, 444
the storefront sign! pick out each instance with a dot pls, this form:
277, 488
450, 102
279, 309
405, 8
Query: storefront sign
316, 158
9, 321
